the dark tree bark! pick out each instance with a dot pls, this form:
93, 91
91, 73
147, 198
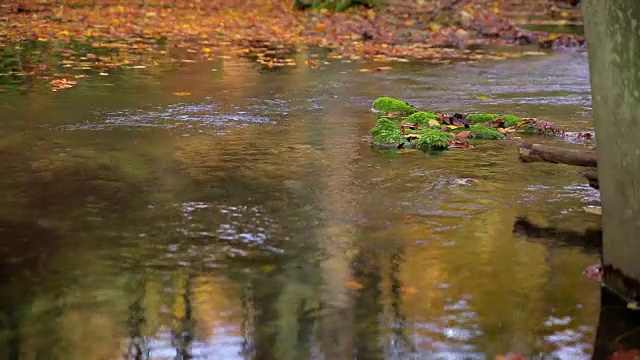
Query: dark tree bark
612, 33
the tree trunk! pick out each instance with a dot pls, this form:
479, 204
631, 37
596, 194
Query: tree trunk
613, 36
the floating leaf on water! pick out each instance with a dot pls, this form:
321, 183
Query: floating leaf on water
634, 306
594, 272
138, 67
483, 97
409, 290
268, 267
181, 93
353, 285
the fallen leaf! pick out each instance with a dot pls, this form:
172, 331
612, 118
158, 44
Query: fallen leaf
353, 285
181, 93
483, 97
268, 267
433, 122
409, 290
594, 272
463, 134
454, 144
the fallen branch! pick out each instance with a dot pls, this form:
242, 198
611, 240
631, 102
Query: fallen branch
556, 155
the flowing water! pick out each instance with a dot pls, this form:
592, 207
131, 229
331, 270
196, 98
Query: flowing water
251, 219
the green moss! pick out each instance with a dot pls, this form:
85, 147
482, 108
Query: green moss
422, 118
529, 129
387, 132
480, 118
479, 131
509, 120
387, 105
432, 140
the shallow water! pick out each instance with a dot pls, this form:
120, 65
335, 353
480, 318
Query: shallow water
251, 220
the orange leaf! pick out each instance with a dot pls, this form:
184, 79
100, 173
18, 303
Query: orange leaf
353, 285
463, 134
181, 93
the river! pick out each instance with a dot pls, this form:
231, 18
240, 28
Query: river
250, 219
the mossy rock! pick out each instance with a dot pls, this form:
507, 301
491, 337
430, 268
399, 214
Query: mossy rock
509, 120
479, 131
422, 118
387, 133
391, 105
432, 139
529, 129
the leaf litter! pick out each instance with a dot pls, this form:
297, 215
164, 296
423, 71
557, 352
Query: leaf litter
122, 33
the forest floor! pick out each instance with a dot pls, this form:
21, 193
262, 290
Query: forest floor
120, 33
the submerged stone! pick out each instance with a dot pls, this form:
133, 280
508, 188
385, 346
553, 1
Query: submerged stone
387, 133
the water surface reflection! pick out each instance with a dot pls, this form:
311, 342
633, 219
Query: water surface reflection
251, 220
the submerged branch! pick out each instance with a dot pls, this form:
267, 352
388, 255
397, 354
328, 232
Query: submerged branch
557, 155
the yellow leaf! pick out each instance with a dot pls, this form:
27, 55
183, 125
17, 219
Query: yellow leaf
409, 290
207, 50
633, 306
482, 97
353, 285
181, 93
453, 127
502, 130
268, 267
434, 26
433, 122
564, 14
